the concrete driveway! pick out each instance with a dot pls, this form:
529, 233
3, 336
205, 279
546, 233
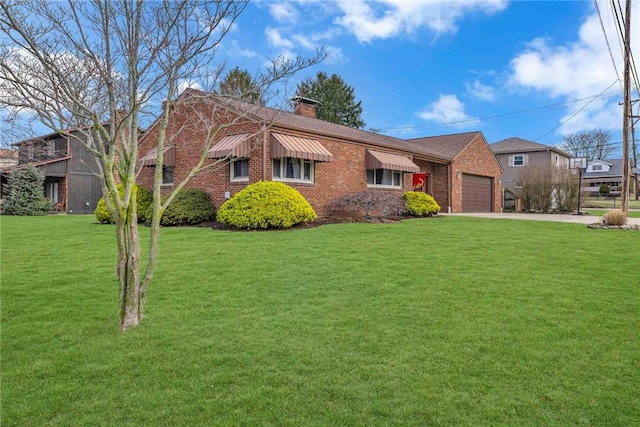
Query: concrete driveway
578, 219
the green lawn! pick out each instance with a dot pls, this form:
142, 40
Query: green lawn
601, 212
601, 202
443, 321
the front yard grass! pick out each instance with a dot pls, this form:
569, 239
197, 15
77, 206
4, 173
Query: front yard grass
602, 212
604, 203
443, 321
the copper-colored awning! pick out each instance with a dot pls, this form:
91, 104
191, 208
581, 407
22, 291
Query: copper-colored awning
296, 146
169, 156
238, 145
380, 160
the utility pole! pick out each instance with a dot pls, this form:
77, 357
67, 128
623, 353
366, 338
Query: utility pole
634, 165
627, 108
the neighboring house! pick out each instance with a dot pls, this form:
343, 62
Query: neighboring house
322, 160
8, 157
515, 153
606, 172
68, 168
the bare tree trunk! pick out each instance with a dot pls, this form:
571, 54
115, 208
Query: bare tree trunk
77, 65
128, 266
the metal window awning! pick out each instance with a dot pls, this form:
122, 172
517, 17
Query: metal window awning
169, 156
380, 160
238, 145
296, 146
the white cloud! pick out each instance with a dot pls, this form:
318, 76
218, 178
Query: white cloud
447, 110
275, 39
187, 83
369, 20
236, 50
480, 91
303, 41
577, 72
283, 12
336, 56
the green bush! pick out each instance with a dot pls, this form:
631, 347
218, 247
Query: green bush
266, 205
189, 207
25, 193
418, 203
604, 190
144, 199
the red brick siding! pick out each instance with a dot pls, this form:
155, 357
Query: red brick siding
437, 180
345, 175
189, 133
477, 159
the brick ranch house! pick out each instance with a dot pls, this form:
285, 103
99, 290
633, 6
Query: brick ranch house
322, 160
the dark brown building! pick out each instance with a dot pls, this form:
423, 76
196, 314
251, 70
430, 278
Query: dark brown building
69, 170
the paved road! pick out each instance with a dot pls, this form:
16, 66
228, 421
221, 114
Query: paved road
579, 219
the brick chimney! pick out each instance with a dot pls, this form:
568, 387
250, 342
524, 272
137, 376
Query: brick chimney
304, 106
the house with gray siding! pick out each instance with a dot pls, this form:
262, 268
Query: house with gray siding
515, 153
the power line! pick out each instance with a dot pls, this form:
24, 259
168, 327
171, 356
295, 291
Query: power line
536, 110
577, 112
608, 45
617, 9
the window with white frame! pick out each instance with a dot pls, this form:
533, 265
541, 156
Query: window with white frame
518, 184
240, 170
596, 167
292, 169
51, 148
518, 160
384, 178
167, 175
30, 152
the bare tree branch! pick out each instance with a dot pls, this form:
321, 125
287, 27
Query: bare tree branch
93, 71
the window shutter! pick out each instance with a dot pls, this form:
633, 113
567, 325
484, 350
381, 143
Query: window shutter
526, 159
511, 160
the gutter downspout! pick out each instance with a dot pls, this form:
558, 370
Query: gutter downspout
450, 196
264, 152
66, 178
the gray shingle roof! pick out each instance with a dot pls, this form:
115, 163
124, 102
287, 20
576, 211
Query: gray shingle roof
615, 170
519, 145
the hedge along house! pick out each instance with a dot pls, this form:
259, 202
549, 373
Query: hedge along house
322, 160
70, 182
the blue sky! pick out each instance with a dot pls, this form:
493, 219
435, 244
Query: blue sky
421, 68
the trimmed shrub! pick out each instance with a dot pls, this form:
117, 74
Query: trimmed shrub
615, 217
144, 199
266, 204
418, 203
604, 190
366, 203
189, 207
25, 193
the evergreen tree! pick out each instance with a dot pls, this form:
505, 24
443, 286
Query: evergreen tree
25, 196
337, 100
239, 85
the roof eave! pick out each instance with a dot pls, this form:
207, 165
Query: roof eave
421, 155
